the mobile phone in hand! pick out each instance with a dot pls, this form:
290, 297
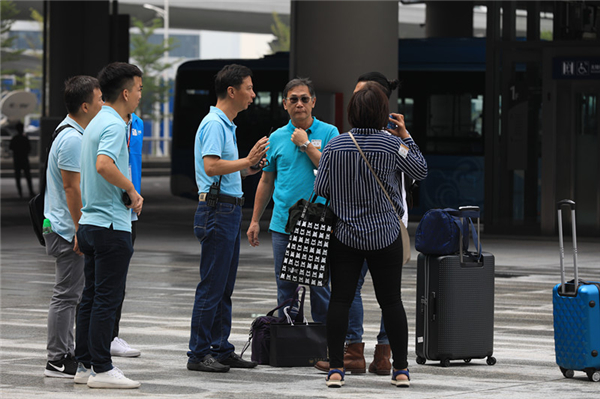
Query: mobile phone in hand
257, 166
126, 199
391, 125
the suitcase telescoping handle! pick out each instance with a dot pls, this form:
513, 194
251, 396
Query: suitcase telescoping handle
571, 204
470, 211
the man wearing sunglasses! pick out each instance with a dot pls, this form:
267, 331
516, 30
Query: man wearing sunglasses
293, 157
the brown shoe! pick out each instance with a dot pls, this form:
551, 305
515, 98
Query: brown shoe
322, 365
381, 361
354, 360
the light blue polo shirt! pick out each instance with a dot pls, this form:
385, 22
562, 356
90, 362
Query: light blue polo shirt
102, 202
65, 154
216, 136
294, 171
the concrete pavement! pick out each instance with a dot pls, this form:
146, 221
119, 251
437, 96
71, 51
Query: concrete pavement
160, 291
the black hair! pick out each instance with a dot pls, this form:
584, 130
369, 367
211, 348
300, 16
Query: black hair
116, 77
369, 107
78, 90
388, 86
299, 82
231, 75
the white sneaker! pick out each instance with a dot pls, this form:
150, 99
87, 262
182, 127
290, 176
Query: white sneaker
118, 347
113, 378
82, 375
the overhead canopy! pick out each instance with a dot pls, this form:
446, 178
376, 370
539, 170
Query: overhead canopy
256, 16
252, 16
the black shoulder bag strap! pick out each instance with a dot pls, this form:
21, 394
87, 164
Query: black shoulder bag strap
54, 136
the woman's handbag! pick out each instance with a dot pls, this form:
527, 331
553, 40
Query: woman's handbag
305, 259
260, 330
297, 344
290, 340
403, 231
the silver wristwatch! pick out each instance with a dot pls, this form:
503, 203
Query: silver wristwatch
304, 146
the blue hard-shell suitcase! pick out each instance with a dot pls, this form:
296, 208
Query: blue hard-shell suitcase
576, 315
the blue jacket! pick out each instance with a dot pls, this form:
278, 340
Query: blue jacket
135, 138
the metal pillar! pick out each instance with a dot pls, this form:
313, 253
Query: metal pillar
449, 19
80, 37
333, 42
492, 115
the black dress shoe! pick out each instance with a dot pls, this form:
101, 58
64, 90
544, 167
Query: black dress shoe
236, 361
209, 363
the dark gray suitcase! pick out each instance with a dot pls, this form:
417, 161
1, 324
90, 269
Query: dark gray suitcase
455, 308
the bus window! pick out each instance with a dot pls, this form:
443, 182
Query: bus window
453, 124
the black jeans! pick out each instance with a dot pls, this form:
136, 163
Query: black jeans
107, 254
115, 333
385, 266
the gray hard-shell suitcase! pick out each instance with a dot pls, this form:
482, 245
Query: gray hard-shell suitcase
455, 307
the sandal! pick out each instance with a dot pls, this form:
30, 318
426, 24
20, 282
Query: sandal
335, 383
401, 383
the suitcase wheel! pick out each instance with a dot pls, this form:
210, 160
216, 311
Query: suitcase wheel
593, 376
491, 360
445, 362
467, 360
568, 373
421, 360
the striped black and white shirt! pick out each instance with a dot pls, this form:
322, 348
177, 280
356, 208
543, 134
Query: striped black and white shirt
366, 219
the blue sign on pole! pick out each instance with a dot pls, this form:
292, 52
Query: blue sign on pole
576, 68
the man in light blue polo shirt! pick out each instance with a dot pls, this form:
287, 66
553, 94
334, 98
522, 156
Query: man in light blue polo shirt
104, 233
217, 223
294, 154
135, 141
62, 206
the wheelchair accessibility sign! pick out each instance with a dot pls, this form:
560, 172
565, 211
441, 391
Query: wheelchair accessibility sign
576, 68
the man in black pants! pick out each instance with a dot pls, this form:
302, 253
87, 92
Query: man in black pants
20, 147
135, 136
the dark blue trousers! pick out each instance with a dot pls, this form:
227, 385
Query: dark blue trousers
107, 255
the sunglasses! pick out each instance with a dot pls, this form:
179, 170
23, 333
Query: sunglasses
294, 100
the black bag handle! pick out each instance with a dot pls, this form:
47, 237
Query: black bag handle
288, 301
311, 200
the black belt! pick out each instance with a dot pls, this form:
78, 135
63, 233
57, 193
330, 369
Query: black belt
227, 199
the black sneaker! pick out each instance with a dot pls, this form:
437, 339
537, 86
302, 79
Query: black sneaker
209, 363
236, 362
63, 368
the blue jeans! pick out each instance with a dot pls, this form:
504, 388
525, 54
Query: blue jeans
107, 254
355, 317
219, 231
319, 296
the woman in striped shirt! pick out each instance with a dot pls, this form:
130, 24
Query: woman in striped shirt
368, 225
